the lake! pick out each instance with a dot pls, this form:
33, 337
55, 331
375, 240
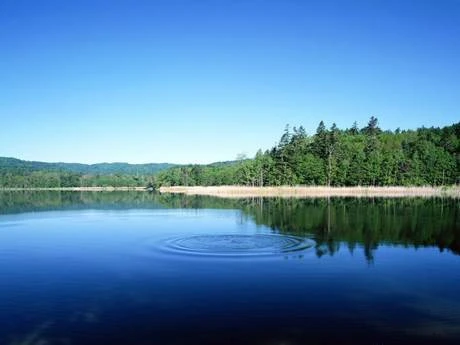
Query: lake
142, 268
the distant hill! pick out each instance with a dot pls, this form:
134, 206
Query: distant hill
17, 165
223, 163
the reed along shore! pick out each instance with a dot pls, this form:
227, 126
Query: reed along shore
315, 191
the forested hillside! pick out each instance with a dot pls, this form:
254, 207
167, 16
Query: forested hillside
13, 164
26, 174
367, 156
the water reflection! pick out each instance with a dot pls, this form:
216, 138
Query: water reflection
364, 222
335, 223
169, 276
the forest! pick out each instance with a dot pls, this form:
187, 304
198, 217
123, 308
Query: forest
367, 156
16, 173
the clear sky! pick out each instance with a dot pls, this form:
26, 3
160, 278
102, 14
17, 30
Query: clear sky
202, 81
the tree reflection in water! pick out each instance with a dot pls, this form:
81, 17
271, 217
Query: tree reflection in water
334, 223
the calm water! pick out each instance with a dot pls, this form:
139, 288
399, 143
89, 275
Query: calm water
138, 268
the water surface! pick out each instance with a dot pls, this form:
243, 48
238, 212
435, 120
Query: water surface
138, 268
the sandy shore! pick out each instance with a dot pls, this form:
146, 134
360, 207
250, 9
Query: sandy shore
78, 189
315, 192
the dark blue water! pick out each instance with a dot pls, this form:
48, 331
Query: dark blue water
214, 276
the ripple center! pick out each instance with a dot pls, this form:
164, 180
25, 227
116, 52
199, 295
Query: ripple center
238, 245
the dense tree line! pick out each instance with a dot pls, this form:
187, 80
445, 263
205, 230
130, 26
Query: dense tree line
16, 173
365, 156
55, 179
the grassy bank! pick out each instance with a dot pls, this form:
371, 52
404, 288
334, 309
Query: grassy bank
316, 191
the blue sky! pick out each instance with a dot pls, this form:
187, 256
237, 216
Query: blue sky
202, 81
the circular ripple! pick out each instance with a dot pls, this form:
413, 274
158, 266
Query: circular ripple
238, 245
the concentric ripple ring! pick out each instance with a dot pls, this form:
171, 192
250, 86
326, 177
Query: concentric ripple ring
238, 245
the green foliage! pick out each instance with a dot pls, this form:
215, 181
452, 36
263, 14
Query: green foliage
350, 157
15, 173
335, 157
17, 165
51, 179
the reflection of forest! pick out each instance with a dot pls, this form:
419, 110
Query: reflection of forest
356, 222
363, 221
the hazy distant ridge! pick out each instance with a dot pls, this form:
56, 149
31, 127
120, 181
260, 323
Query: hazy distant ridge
16, 165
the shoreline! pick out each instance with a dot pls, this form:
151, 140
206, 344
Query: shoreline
315, 191
280, 191
76, 189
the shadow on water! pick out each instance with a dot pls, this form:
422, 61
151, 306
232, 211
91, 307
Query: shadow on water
334, 223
